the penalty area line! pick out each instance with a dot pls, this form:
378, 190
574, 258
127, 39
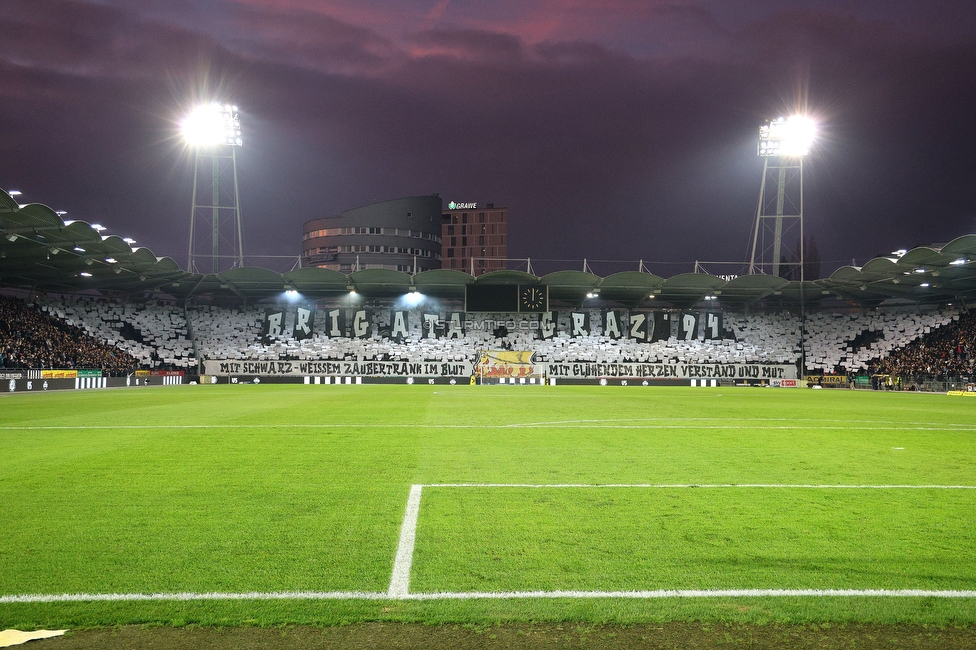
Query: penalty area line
494, 595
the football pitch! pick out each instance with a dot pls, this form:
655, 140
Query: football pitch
273, 504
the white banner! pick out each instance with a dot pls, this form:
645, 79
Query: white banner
339, 368
582, 370
585, 370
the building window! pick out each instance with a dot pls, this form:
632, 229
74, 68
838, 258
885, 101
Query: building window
450, 230
450, 252
464, 241
464, 217
481, 217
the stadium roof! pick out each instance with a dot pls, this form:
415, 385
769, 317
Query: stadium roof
39, 250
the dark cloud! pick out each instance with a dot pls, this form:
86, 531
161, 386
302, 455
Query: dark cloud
309, 39
639, 144
468, 44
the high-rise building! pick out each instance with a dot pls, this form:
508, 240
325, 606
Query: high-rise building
401, 234
474, 238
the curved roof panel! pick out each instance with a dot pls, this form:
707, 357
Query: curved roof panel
380, 282
572, 279
315, 282
965, 245
442, 278
82, 231
631, 279
7, 202
38, 215
629, 287
880, 267
570, 285
849, 274
447, 283
507, 277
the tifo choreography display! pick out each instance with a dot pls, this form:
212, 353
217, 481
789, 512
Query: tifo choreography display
427, 342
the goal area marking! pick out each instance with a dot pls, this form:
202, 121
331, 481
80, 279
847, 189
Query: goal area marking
399, 588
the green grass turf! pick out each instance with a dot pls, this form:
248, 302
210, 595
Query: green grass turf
284, 488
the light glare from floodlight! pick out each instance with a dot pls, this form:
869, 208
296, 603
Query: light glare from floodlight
212, 125
413, 298
791, 137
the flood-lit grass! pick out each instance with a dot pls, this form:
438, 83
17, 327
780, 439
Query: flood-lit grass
303, 488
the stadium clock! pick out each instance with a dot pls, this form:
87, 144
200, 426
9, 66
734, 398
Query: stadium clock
532, 299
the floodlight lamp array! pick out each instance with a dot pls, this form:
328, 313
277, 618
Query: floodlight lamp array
212, 125
791, 137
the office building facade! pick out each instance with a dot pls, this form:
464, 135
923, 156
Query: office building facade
474, 237
401, 234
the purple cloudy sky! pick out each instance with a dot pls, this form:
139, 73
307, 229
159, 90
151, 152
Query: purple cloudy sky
612, 129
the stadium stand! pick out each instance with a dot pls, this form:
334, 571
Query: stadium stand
120, 336
154, 333
30, 338
831, 339
948, 351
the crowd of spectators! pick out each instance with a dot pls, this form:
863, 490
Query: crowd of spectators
32, 339
949, 351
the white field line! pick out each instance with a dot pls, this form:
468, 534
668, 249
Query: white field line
492, 595
666, 486
621, 423
186, 595
400, 580
673, 425
699, 593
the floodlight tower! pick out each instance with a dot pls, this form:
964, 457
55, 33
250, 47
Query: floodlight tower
214, 132
782, 145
